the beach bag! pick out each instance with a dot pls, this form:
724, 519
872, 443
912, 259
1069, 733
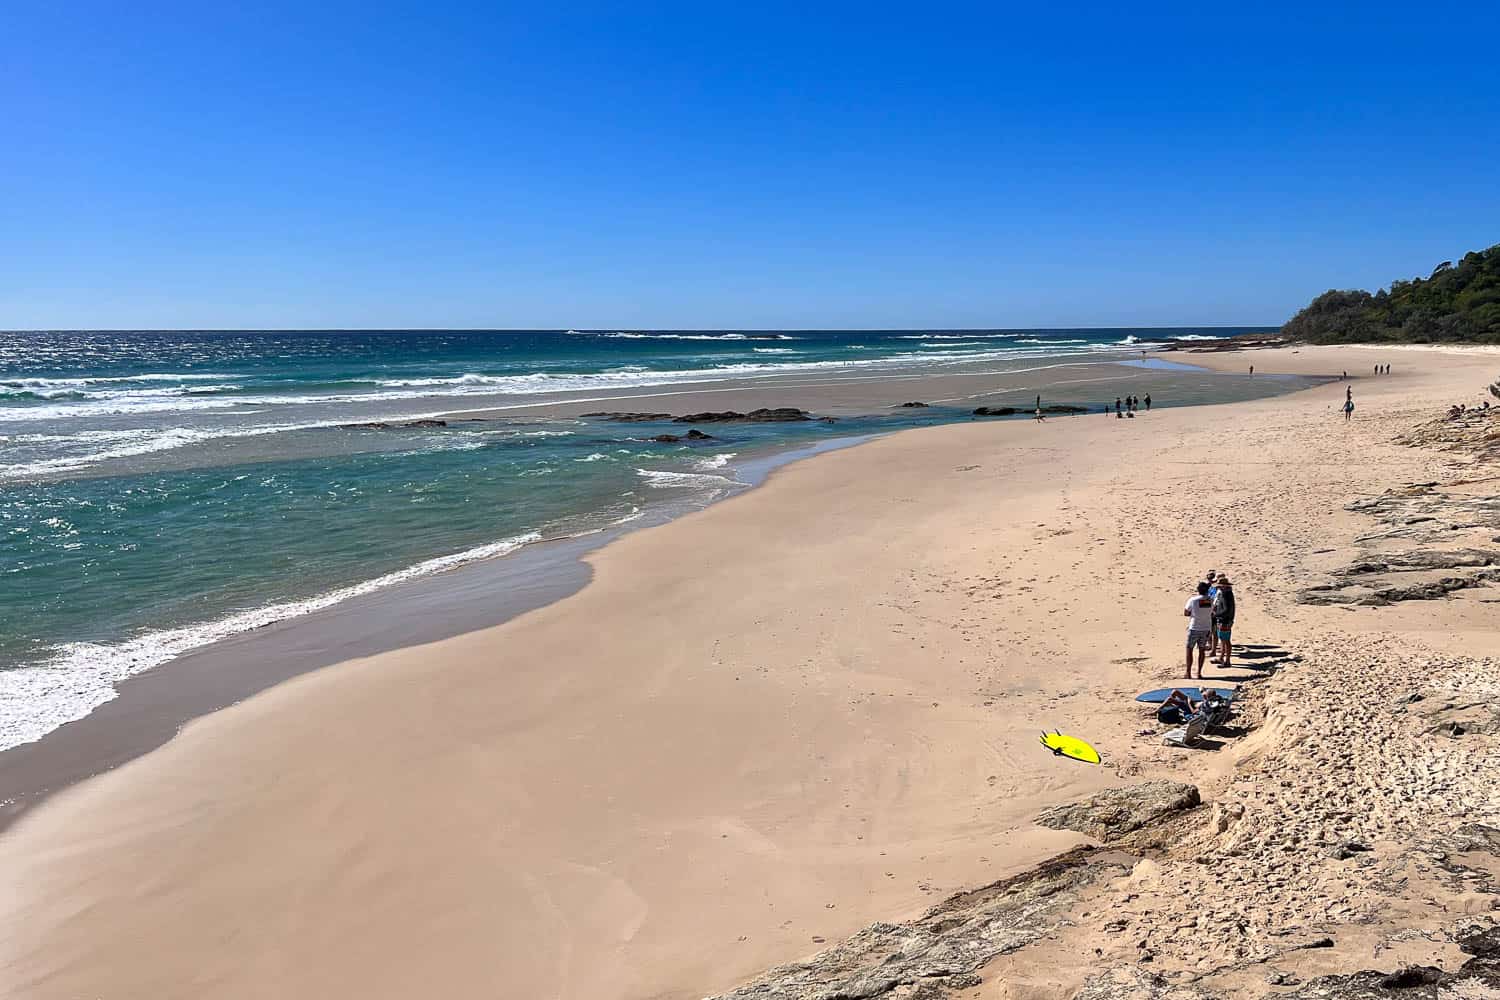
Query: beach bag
1170, 714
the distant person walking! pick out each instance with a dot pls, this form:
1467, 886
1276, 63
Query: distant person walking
1148, 402
1252, 371
1199, 613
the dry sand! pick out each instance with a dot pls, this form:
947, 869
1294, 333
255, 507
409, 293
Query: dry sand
813, 706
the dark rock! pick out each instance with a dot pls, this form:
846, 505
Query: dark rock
1368, 986
1480, 941
780, 414
628, 418
995, 411
1319, 943
692, 435
1278, 978
913, 405
1412, 976
1347, 849
1326, 595
381, 425
1064, 408
1114, 812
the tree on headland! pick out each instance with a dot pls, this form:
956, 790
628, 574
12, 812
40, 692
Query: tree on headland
1457, 303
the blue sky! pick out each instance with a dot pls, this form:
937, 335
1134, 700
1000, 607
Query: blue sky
714, 165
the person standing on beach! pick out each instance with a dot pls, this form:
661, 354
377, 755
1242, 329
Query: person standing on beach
1252, 371
1223, 614
1148, 402
1118, 414
1199, 613
1213, 622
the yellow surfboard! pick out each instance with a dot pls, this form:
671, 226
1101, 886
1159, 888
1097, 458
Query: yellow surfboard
1070, 746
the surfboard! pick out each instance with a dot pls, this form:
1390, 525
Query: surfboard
1070, 746
1162, 694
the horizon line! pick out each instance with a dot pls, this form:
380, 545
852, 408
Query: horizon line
633, 329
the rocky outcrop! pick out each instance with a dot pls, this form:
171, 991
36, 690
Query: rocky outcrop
913, 405
1421, 559
1431, 590
780, 414
692, 435
627, 418
1127, 982
1010, 411
942, 950
381, 425
1114, 812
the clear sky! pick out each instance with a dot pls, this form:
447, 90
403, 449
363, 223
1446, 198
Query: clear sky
733, 165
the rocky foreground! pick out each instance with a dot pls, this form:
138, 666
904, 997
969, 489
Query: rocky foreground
1343, 842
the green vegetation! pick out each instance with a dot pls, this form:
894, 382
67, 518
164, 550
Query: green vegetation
1457, 303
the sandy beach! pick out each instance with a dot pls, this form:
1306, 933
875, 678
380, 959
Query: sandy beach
768, 724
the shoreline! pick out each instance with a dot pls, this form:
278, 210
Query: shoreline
147, 710
151, 706
941, 806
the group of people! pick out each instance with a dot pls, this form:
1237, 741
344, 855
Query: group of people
1127, 406
1210, 614
1382, 369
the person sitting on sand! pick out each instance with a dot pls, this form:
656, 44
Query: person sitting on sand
1199, 613
1223, 613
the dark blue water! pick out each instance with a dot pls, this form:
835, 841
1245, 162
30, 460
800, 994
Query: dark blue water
159, 490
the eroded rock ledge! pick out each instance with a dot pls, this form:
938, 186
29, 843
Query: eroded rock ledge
943, 949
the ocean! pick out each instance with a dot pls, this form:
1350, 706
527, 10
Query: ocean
161, 490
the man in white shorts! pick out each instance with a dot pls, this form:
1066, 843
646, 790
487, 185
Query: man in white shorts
1199, 612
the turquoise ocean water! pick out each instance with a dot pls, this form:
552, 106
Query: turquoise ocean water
159, 490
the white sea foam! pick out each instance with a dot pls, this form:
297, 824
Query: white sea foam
661, 479
716, 462
958, 336
597, 456
128, 443
82, 676
87, 380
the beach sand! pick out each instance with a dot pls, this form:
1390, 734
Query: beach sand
767, 724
